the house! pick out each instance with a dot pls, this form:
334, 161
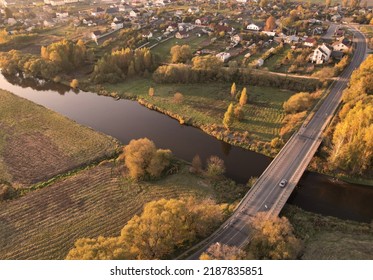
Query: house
116, 25
202, 21
134, 13
321, 54
337, 17
111, 11
269, 33
193, 10
48, 23
310, 42
98, 12
236, 39
223, 56
254, 27
95, 35
61, 15
147, 34
259, 62
185, 26
224, 28
339, 34
292, 39
342, 45
181, 35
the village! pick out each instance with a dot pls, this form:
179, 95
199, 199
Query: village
277, 36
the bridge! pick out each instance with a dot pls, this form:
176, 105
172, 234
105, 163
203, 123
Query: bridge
266, 195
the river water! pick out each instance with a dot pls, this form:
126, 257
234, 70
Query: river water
126, 120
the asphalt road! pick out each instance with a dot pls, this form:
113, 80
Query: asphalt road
266, 195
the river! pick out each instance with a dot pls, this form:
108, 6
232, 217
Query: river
126, 120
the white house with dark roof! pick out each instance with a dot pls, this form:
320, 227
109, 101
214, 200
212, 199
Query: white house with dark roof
321, 54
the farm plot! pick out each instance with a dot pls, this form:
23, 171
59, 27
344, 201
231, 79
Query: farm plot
37, 144
98, 201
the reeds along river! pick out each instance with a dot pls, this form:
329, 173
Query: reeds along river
127, 120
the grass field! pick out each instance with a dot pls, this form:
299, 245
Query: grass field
163, 49
205, 104
98, 201
331, 238
37, 144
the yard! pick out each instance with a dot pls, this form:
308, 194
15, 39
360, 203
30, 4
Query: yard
195, 43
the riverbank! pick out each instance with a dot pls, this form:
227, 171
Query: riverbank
203, 106
326, 237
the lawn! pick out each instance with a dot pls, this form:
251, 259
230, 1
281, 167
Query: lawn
36, 144
205, 104
97, 201
329, 237
195, 43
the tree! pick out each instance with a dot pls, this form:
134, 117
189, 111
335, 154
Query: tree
98, 249
243, 97
298, 102
220, 251
8, 13
233, 90
353, 139
228, 117
196, 164
344, 3
181, 54
143, 159
163, 227
74, 83
263, 3
151, 91
273, 238
270, 24
327, 3
178, 97
238, 112
215, 167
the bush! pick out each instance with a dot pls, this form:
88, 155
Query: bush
6, 192
196, 164
215, 167
298, 102
74, 84
178, 98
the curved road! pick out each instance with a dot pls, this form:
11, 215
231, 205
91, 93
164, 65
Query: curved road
266, 195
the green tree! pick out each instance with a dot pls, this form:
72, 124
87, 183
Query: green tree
215, 167
243, 97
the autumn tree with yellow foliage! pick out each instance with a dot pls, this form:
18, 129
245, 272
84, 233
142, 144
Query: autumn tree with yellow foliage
273, 238
162, 228
352, 140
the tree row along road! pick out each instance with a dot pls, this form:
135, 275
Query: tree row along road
290, 163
